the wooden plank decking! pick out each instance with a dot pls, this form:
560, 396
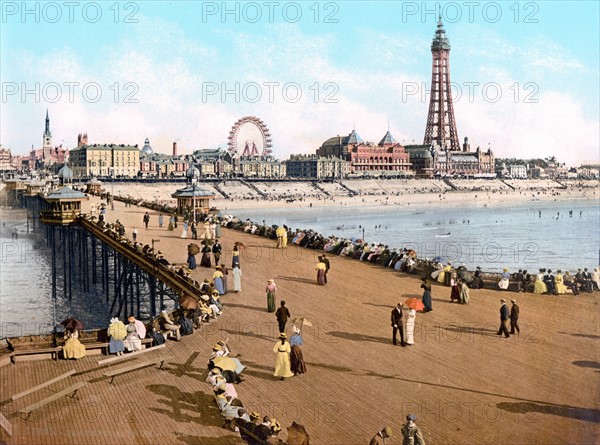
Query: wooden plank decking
465, 384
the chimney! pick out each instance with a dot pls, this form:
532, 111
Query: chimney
174, 148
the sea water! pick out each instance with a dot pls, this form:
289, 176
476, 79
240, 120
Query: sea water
555, 235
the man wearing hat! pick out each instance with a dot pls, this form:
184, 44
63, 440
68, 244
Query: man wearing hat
379, 438
247, 428
514, 317
263, 431
503, 318
397, 324
411, 434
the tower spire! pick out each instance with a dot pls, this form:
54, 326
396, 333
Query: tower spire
441, 125
47, 130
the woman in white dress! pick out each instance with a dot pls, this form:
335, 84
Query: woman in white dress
504, 281
237, 279
410, 327
185, 230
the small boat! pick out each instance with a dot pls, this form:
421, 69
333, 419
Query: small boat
445, 235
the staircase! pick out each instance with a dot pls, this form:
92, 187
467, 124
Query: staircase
220, 190
321, 189
452, 186
253, 187
350, 191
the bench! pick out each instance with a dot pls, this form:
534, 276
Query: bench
115, 372
103, 347
52, 351
43, 385
130, 355
65, 392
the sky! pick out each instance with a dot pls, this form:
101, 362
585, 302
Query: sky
525, 74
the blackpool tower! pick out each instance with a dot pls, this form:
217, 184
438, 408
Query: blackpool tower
441, 126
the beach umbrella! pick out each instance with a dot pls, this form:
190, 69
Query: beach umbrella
188, 302
72, 324
302, 321
297, 435
415, 304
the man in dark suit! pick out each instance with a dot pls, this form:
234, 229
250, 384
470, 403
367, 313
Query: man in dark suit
397, 324
503, 318
216, 250
327, 265
550, 283
514, 317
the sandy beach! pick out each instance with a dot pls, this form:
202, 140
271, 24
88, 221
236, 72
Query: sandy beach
465, 384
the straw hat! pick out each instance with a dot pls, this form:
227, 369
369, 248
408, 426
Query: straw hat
254, 415
271, 280
204, 297
217, 347
388, 431
283, 335
131, 319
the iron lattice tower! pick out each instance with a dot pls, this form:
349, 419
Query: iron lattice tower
441, 125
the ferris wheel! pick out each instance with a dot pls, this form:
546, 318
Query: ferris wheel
250, 149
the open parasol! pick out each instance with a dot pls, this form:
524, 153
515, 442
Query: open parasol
228, 364
72, 324
302, 321
415, 304
207, 242
188, 302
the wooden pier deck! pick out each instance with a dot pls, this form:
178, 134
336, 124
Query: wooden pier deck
465, 384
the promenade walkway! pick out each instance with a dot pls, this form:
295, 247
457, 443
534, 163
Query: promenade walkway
465, 384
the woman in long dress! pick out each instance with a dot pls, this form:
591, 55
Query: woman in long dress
297, 364
185, 229
218, 281
284, 238
171, 226
560, 283
504, 281
454, 291
73, 349
117, 332
539, 287
205, 260
321, 267
132, 342
271, 291
237, 279
225, 277
464, 292
410, 327
235, 256
426, 295
282, 362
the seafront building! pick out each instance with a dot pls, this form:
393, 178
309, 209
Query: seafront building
319, 167
104, 160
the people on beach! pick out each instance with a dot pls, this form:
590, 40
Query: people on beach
504, 315
161, 220
205, 260
216, 251
73, 349
297, 364
539, 287
411, 434
321, 272
271, 291
146, 219
504, 279
410, 326
397, 325
117, 333
282, 362
477, 282
514, 317
132, 341
237, 279
218, 280
279, 232
235, 256
381, 436
426, 299
282, 314
559, 283
463, 292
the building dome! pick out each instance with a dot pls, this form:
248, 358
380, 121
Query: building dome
65, 173
192, 173
146, 149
